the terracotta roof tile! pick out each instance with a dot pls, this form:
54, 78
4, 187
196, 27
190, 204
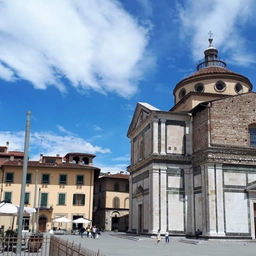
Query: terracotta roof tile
213, 70
50, 165
116, 176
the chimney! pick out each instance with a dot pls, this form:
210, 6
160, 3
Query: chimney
122, 172
108, 173
41, 158
7, 146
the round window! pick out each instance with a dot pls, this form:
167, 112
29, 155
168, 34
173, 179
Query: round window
238, 88
220, 86
182, 93
199, 87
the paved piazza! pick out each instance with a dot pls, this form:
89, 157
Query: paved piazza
120, 244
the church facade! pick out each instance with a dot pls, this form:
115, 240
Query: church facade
194, 166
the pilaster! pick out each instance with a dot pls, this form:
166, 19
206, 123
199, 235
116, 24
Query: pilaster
155, 136
154, 200
163, 137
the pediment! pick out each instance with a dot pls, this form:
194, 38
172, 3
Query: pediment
139, 191
251, 187
141, 113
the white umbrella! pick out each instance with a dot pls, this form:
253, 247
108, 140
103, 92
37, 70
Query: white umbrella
8, 208
81, 220
62, 220
29, 210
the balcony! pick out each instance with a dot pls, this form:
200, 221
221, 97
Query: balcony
44, 207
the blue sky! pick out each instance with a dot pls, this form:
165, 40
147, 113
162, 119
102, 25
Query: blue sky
81, 66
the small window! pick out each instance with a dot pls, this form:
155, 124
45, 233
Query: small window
182, 93
63, 179
9, 177
8, 196
45, 178
199, 87
50, 160
28, 178
80, 179
116, 202
78, 199
62, 199
220, 86
238, 88
100, 188
116, 187
127, 187
26, 200
252, 131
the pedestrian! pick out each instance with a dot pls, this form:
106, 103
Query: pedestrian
158, 237
167, 240
88, 230
94, 232
82, 230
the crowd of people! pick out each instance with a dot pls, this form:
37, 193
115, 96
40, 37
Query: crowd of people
90, 232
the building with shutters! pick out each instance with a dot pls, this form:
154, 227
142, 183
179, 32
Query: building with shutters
56, 186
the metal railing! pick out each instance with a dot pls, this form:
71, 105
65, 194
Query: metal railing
43, 245
61, 247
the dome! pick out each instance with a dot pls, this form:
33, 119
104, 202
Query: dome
211, 80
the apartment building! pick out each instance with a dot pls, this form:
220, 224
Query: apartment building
56, 186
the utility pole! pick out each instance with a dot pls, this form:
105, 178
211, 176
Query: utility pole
23, 184
35, 194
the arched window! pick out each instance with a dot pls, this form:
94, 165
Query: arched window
76, 159
116, 202
252, 131
126, 202
85, 160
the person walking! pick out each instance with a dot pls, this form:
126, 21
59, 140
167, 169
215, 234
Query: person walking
158, 237
167, 240
93, 232
82, 230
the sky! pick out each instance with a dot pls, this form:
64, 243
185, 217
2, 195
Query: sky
81, 66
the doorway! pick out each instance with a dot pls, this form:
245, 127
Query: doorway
140, 218
115, 223
42, 224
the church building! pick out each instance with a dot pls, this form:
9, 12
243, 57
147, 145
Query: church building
194, 166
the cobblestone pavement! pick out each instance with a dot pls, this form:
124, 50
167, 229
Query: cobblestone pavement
120, 244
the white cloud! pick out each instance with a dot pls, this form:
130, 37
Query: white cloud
49, 143
225, 19
6, 73
95, 44
113, 169
122, 158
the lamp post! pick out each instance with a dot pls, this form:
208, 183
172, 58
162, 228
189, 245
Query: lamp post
34, 214
23, 184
